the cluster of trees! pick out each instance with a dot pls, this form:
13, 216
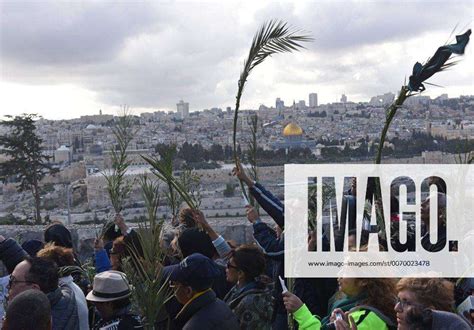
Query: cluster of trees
363, 151
362, 114
418, 143
321, 114
26, 164
196, 156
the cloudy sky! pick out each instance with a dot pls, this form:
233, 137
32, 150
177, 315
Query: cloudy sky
66, 59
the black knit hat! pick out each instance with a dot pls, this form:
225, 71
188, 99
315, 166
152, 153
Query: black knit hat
32, 246
58, 234
193, 240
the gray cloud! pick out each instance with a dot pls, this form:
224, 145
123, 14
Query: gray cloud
339, 26
68, 33
152, 55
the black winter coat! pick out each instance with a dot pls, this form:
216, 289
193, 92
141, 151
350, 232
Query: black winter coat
207, 312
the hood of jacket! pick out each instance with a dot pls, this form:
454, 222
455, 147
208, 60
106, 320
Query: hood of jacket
448, 321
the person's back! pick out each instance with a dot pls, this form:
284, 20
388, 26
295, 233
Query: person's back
193, 240
44, 273
64, 259
28, 310
63, 308
81, 303
207, 312
251, 298
254, 309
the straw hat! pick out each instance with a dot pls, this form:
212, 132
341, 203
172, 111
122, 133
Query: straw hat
109, 286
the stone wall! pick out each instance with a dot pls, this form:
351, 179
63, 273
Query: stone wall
236, 229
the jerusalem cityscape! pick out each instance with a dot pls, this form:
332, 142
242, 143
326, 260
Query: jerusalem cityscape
235, 165
299, 132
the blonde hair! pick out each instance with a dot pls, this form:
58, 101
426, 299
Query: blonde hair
60, 255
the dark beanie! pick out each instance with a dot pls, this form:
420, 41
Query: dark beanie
32, 246
58, 234
193, 240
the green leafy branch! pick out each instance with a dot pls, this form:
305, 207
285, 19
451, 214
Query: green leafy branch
164, 171
145, 264
118, 186
272, 38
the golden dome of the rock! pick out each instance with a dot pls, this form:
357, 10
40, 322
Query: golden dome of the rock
292, 130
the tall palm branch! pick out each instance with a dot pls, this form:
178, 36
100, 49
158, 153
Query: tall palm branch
119, 186
421, 72
273, 37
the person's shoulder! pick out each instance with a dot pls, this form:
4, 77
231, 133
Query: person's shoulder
67, 291
367, 319
215, 309
256, 297
219, 304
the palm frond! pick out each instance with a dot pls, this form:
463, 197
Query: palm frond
433, 84
166, 164
416, 80
191, 182
118, 186
150, 193
272, 38
105, 227
390, 114
145, 263
451, 34
450, 64
161, 171
252, 154
150, 288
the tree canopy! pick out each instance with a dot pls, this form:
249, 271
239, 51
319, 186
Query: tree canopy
25, 164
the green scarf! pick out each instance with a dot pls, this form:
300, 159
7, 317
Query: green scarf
345, 303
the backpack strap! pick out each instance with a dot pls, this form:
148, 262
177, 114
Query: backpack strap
362, 318
388, 321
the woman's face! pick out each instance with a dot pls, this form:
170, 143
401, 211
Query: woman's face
105, 309
232, 272
405, 302
115, 261
348, 286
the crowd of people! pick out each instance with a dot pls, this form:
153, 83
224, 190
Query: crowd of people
216, 284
